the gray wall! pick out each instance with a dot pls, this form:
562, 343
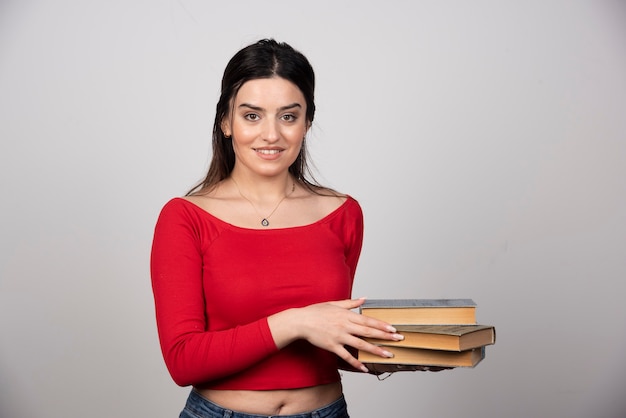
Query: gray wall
485, 140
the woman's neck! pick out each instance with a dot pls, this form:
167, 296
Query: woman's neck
262, 189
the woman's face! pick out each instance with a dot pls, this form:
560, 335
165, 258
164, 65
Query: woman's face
267, 123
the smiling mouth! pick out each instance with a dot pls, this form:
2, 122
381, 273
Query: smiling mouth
268, 151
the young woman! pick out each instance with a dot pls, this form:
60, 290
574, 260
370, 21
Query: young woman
252, 270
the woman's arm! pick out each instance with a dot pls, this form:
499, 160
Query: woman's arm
193, 354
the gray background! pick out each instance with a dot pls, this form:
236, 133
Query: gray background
485, 140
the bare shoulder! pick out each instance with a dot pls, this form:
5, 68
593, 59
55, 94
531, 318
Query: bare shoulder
211, 201
322, 200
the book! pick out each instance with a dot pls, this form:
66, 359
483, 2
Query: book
379, 368
442, 337
424, 357
421, 311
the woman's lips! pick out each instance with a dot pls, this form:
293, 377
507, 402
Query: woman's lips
268, 153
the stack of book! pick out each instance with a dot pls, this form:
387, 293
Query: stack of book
438, 333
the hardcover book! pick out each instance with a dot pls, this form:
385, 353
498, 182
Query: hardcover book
421, 311
424, 357
442, 337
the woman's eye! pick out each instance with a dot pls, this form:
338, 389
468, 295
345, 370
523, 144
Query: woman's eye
252, 116
289, 118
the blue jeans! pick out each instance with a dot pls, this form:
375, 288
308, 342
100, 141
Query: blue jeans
199, 407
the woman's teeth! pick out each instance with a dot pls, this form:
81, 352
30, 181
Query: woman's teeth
268, 151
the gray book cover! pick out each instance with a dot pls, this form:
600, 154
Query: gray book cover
417, 303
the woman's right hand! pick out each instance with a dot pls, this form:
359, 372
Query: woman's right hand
333, 326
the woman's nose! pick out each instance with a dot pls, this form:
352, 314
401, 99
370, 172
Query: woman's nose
270, 131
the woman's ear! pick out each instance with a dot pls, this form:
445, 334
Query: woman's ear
225, 126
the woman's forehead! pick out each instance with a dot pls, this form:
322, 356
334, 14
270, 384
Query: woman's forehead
273, 90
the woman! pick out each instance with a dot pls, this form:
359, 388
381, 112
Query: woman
252, 270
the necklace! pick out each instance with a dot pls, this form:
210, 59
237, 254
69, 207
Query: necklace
265, 221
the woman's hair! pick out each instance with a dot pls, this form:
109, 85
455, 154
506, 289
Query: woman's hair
263, 59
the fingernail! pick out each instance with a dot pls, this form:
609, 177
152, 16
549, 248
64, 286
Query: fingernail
398, 337
387, 354
365, 369
391, 329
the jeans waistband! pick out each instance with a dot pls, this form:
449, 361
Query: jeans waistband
199, 407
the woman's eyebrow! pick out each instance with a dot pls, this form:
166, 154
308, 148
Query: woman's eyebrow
260, 109
291, 106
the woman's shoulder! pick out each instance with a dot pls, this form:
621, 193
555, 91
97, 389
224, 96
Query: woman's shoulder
334, 204
192, 208
324, 199
332, 196
177, 209
207, 200
329, 193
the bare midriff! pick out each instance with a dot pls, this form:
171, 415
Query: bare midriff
274, 402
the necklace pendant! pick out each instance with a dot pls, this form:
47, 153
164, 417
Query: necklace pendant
265, 222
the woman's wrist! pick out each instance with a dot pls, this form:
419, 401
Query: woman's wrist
284, 327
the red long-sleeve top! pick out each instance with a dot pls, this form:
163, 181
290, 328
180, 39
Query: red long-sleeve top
215, 284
